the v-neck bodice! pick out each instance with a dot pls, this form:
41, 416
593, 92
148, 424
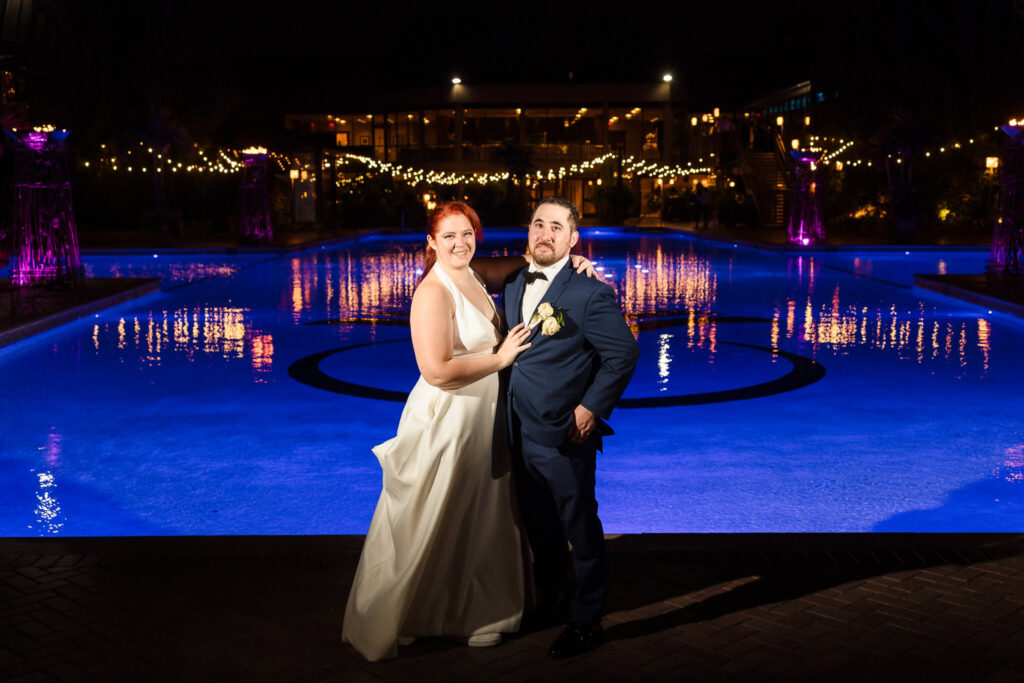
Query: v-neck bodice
475, 333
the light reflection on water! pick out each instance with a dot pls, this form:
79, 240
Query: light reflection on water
663, 280
346, 283
172, 269
49, 518
713, 298
915, 335
155, 338
1012, 467
665, 277
668, 277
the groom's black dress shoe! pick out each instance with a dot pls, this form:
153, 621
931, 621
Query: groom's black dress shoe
575, 640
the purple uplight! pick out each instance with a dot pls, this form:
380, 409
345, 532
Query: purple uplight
804, 156
36, 139
45, 238
805, 224
1007, 253
254, 220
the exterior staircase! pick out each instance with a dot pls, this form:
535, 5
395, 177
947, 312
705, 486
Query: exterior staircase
766, 179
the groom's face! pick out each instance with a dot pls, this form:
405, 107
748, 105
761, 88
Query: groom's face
551, 234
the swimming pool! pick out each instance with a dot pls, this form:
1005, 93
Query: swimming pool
776, 392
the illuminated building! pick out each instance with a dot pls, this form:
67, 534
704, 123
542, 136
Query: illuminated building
467, 128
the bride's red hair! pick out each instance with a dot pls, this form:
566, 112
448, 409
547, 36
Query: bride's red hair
440, 212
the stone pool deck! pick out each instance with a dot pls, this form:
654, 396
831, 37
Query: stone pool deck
705, 607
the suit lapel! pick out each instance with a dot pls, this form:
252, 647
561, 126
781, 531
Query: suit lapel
555, 290
514, 302
559, 284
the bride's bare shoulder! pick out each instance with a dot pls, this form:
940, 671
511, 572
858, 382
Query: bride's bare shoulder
432, 296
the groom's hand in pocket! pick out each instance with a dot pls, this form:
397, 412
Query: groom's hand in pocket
583, 425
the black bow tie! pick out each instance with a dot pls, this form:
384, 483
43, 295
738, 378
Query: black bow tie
535, 275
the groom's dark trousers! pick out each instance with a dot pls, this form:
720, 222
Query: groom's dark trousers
556, 484
588, 362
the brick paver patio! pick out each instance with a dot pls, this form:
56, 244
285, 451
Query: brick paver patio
693, 607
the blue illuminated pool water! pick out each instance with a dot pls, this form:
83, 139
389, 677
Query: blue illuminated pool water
176, 413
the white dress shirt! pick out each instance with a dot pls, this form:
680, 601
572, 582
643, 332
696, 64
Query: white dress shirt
535, 291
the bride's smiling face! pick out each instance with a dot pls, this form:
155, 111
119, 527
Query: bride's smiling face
455, 242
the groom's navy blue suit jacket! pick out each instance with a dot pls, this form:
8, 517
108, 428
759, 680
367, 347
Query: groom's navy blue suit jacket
589, 361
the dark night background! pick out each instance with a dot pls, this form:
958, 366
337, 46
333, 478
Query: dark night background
107, 68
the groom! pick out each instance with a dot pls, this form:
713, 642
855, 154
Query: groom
560, 390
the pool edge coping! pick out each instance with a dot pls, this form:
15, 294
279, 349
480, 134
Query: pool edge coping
148, 286
144, 287
935, 285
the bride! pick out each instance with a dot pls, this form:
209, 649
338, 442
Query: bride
443, 554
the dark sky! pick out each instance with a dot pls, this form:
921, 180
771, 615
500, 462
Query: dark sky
217, 58
324, 47
376, 46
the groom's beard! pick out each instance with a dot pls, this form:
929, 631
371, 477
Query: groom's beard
545, 258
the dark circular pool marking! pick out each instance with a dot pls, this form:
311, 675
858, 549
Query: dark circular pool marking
805, 370
307, 370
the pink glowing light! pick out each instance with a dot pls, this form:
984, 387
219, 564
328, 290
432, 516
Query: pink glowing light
254, 221
805, 220
45, 238
36, 139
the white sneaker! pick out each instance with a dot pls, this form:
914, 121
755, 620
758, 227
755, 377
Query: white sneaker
484, 640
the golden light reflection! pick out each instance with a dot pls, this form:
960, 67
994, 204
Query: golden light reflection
298, 303
191, 332
263, 354
913, 334
919, 341
660, 281
984, 337
362, 285
775, 330
1012, 467
359, 284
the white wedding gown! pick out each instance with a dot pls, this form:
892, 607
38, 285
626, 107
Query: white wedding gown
443, 555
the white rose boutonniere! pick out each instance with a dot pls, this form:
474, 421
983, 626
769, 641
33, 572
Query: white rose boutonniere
550, 319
